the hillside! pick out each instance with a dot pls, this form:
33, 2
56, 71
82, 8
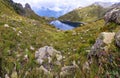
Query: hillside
23, 11
31, 48
90, 13
86, 14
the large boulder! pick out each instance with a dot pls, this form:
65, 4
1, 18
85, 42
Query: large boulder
101, 44
117, 39
112, 16
47, 53
48, 58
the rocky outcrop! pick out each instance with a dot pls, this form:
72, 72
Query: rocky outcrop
27, 6
116, 5
19, 8
16, 6
112, 16
47, 53
117, 39
48, 57
103, 54
101, 44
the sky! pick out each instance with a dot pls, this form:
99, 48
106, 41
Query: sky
60, 5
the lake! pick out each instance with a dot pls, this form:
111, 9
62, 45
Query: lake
65, 25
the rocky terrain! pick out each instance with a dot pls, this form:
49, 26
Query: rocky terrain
31, 48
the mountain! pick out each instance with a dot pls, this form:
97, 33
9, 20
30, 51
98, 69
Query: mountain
104, 4
49, 13
90, 13
31, 14
24, 11
86, 14
31, 48
53, 12
116, 5
17, 7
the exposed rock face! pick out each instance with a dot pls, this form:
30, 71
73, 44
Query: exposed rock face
16, 6
27, 6
113, 16
117, 39
116, 5
19, 8
101, 43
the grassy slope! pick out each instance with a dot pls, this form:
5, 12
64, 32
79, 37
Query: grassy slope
86, 14
12, 42
73, 44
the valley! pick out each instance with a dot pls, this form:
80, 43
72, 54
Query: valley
76, 45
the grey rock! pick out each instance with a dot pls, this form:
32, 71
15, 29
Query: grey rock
47, 53
112, 16
101, 43
116, 5
6, 25
117, 39
45, 70
19, 8
86, 66
27, 6
14, 74
6, 76
68, 70
48, 58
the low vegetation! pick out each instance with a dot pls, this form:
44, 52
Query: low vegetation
21, 36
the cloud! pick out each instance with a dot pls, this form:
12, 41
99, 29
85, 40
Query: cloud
59, 5
56, 5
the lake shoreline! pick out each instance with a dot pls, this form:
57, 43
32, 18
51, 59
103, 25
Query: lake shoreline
65, 25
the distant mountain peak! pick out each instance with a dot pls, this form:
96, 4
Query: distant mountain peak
104, 4
116, 5
27, 6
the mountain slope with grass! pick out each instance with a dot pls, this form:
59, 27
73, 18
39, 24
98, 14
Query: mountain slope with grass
23, 39
86, 14
23, 11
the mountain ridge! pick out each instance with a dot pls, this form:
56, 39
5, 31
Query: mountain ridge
104, 4
86, 14
92, 12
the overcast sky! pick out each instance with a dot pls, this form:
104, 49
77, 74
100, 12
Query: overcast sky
58, 5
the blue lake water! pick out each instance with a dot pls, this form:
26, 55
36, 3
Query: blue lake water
65, 25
